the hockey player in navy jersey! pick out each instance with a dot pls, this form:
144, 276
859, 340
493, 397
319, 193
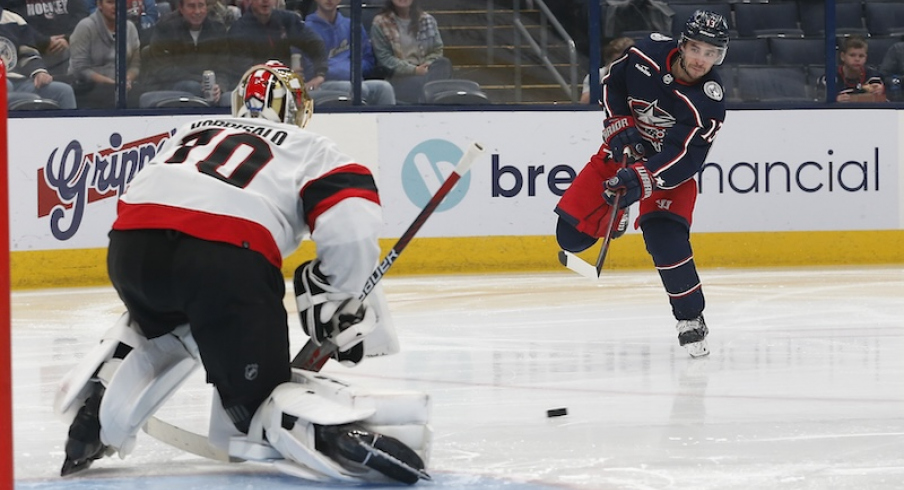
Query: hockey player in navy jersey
664, 105
195, 254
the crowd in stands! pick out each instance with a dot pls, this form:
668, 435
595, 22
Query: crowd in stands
64, 51
777, 48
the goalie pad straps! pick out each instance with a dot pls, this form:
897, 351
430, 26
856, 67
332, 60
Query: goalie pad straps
285, 423
99, 363
145, 380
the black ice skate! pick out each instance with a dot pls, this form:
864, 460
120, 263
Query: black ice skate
384, 454
84, 445
692, 336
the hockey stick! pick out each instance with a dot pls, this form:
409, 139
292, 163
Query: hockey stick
186, 440
312, 357
578, 264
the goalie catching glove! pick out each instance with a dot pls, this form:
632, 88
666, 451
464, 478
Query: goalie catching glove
329, 314
623, 139
634, 183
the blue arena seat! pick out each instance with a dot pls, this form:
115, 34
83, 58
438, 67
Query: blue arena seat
884, 18
768, 19
160, 99
454, 91
773, 84
747, 52
848, 18
797, 51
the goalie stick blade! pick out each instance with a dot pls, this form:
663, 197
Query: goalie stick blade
185, 440
578, 265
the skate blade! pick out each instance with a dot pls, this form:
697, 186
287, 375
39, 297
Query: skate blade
697, 349
71, 467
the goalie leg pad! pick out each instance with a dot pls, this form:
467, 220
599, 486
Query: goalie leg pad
147, 377
295, 415
101, 363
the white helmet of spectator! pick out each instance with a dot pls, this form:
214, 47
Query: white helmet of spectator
274, 92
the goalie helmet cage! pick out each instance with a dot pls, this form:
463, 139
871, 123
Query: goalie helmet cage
6, 375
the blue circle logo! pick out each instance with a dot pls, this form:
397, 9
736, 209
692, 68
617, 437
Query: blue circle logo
426, 168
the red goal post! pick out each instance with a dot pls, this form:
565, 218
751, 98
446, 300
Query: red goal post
6, 374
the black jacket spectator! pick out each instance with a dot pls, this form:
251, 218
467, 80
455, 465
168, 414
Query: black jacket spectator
175, 57
252, 42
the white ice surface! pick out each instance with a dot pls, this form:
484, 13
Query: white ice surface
804, 388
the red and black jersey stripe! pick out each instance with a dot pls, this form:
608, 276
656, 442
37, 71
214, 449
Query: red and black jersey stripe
342, 183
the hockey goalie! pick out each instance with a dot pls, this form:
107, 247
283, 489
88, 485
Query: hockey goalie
196, 253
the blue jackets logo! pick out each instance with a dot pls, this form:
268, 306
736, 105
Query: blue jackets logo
425, 169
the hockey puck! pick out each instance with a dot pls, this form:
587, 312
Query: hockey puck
556, 412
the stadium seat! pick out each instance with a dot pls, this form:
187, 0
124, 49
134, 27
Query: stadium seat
22, 101
768, 20
848, 18
884, 18
797, 51
160, 99
728, 73
454, 91
331, 98
747, 52
773, 84
878, 47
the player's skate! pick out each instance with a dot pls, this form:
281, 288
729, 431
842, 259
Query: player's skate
387, 455
692, 336
84, 445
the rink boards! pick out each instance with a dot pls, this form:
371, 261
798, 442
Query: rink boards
797, 187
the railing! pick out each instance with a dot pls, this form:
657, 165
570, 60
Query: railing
541, 49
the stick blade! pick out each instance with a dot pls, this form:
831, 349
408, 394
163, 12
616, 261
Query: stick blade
578, 265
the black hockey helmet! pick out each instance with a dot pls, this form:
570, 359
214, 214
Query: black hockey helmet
708, 27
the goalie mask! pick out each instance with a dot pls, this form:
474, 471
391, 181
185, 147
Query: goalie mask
707, 27
273, 92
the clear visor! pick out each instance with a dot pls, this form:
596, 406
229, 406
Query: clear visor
703, 51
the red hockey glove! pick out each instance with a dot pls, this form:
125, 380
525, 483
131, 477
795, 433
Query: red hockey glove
634, 182
623, 138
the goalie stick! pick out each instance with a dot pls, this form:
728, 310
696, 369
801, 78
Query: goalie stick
312, 357
578, 264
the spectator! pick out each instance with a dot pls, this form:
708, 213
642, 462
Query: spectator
335, 30
53, 23
855, 81
892, 68
407, 43
27, 73
893, 62
183, 46
221, 12
611, 51
93, 57
264, 33
624, 16
143, 13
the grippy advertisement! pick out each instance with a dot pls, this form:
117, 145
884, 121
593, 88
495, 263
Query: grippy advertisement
816, 170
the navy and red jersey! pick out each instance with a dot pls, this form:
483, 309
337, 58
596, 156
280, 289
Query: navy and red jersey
844, 85
678, 121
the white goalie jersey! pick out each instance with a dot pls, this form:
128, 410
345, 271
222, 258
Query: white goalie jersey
264, 186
